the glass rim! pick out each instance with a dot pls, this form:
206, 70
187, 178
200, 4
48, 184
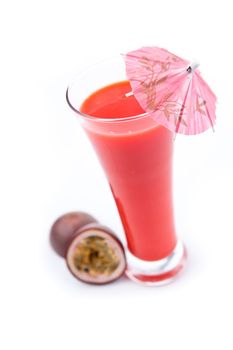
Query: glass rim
100, 119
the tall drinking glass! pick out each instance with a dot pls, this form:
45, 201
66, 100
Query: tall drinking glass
136, 154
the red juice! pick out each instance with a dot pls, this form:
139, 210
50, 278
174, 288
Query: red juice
137, 158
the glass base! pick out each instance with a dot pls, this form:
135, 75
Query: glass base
159, 272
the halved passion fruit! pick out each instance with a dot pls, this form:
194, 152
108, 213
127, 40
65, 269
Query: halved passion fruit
95, 255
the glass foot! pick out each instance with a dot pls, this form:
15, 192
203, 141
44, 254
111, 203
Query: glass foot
159, 272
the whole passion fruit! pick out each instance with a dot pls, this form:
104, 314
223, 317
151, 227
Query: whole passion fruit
95, 255
65, 227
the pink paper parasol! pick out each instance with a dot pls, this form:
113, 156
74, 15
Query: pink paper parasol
171, 90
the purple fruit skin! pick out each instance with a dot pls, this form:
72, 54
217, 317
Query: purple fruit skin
65, 227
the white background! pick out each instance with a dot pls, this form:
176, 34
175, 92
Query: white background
48, 168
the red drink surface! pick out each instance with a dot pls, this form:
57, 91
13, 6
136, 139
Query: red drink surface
138, 164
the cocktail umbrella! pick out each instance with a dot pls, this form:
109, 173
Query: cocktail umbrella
171, 90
